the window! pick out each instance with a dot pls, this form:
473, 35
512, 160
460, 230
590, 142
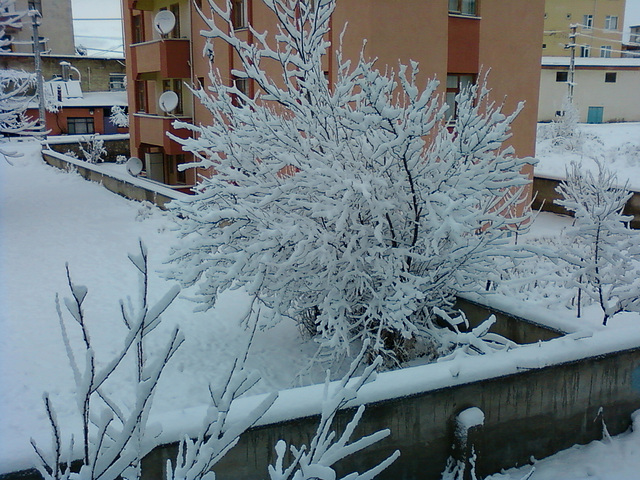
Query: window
585, 51
175, 9
239, 14
35, 5
587, 21
173, 161
611, 22
463, 7
137, 27
141, 96
241, 84
43, 45
544, 45
174, 85
80, 125
455, 84
117, 82
562, 76
605, 51
610, 77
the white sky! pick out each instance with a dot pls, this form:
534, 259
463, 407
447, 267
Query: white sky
107, 34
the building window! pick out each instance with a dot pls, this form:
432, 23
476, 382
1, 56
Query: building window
239, 14
455, 84
174, 85
610, 77
117, 82
175, 9
141, 96
35, 5
80, 125
562, 76
463, 7
611, 22
243, 85
587, 21
605, 51
137, 27
544, 45
585, 51
173, 161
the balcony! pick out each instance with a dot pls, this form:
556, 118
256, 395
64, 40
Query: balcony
151, 129
141, 4
169, 57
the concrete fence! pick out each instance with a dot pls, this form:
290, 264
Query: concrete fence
545, 190
123, 184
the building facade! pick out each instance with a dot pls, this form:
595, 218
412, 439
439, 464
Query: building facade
453, 40
55, 30
605, 90
598, 23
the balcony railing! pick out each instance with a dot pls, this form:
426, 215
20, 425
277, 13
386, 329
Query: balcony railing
169, 57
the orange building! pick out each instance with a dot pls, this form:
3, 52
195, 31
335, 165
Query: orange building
453, 40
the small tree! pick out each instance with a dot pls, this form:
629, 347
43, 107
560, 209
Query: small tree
119, 116
327, 202
602, 248
14, 84
93, 150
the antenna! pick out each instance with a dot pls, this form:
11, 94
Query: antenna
164, 22
168, 101
134, 166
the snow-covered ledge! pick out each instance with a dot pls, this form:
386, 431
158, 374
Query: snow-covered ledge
116, 179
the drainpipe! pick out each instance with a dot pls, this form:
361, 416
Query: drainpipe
35, 15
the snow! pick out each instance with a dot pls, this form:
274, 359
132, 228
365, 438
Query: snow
617, 144
592, 62
50, 217
93, 99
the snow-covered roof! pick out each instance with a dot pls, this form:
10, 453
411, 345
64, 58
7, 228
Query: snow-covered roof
591, 62
93, 99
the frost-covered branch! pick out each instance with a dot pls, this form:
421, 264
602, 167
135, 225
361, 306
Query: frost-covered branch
113, 430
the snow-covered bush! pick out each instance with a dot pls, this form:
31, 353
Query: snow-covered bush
119, 116
14, 84
327, 202
603, 251
93, 150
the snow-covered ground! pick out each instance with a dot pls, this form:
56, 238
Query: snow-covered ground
49, 217
617, 145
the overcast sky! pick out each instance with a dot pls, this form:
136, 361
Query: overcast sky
107, 34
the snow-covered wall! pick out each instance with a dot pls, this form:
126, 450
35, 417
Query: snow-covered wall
537, 400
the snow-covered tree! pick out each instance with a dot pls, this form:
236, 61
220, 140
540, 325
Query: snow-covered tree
93, 149
328, 203
113, 438
603, 250
14, 84
119, 116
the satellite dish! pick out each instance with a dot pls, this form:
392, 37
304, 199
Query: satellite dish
164, 22
168, 101
134, 166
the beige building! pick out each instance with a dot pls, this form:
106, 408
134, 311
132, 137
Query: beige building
599, 25
605, 90
55, 31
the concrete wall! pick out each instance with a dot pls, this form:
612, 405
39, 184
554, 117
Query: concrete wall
544, 190
115, 185
532, 413
114, 148
592, 91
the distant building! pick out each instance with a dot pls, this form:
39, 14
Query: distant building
599, 27
451, 39
606, 89
632, 47
55, 30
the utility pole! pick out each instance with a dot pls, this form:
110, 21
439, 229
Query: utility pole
35, 16
572, 62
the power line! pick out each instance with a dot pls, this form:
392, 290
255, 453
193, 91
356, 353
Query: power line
96, 19
98, 36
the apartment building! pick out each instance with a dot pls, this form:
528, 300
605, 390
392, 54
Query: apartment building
55, 30
453, 40
599, 25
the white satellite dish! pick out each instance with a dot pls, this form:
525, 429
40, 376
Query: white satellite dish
134, 166
164, 22
168, 101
